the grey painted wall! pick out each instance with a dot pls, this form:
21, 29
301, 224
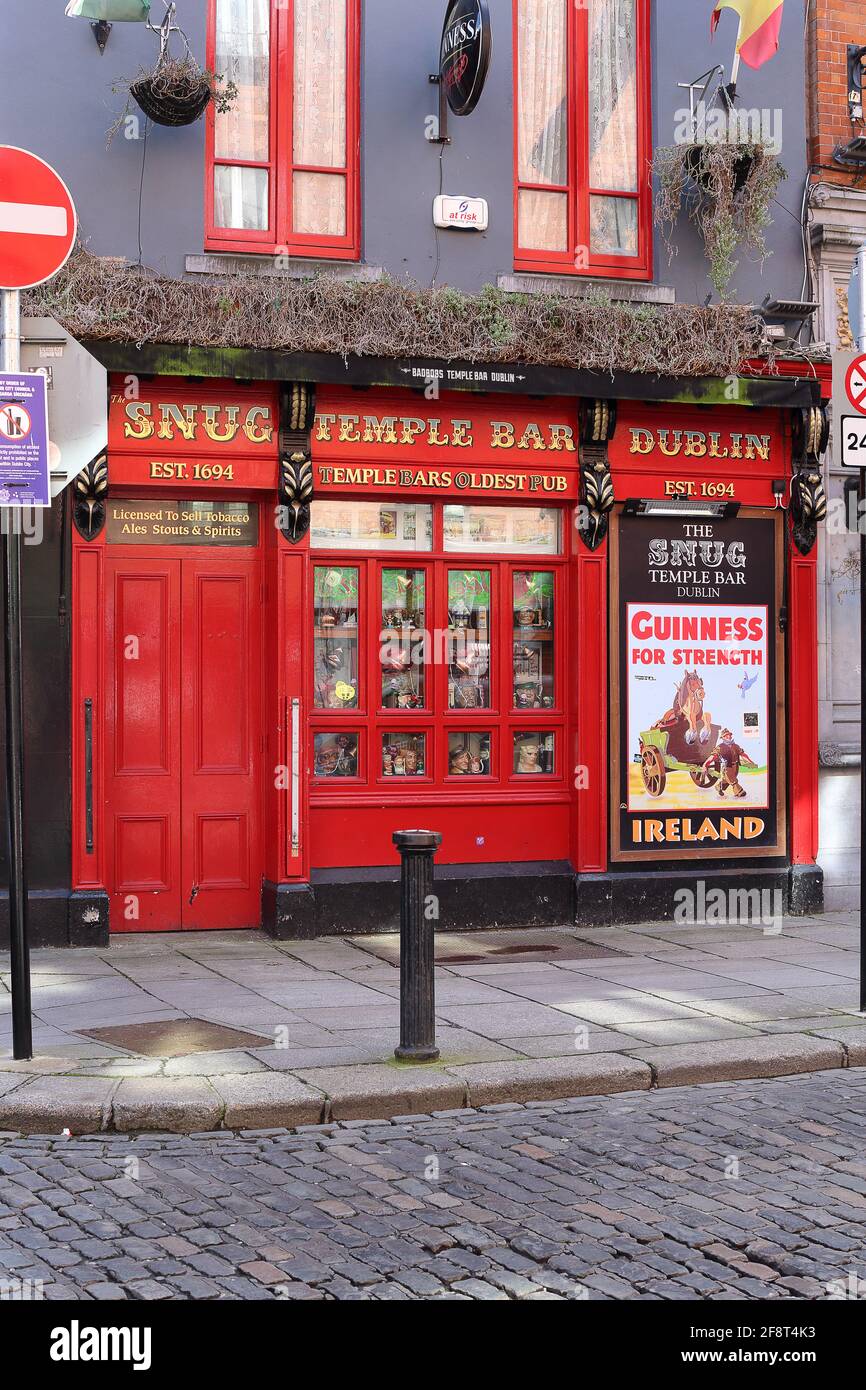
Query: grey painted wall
56, 98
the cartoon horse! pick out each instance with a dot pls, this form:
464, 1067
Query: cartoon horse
689, 705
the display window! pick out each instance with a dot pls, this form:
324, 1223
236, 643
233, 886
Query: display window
335, 626
365, 525
502, 530
534, 753
433, 665
336, 754
404, 754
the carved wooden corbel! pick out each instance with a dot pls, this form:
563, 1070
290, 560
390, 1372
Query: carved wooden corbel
810, 434
89, 494
297, 412
597, 426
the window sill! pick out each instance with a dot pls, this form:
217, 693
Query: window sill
262, 263
534, 282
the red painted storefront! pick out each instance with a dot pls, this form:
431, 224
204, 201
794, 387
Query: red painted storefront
237, 720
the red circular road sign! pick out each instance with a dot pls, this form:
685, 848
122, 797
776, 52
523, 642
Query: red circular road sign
855, 383
37, 220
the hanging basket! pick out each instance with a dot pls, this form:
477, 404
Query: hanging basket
176, 93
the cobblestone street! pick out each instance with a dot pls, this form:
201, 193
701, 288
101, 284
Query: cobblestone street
744, 1190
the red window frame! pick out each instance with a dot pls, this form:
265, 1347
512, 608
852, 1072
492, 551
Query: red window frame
279, 237
637, 267
502, 720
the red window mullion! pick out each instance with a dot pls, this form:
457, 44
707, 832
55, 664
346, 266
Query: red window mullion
285, 116
438, 624
578, 158
502, 635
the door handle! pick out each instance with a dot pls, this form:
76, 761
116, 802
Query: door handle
296, 779
88, 776
194, 894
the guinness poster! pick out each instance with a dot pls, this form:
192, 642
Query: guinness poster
697, 688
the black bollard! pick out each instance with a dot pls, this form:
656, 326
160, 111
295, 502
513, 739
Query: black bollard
417, 1001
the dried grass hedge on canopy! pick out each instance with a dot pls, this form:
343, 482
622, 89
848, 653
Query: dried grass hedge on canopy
107, 299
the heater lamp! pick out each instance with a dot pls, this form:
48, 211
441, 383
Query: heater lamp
676, 506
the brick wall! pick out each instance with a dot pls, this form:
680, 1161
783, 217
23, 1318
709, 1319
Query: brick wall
833, 24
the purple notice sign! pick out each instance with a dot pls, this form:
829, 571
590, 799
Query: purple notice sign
24, 480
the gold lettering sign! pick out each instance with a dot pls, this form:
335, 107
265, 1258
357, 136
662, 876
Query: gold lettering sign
405, 431
167, 469
697, 444
444, 479
221, 424
690, 487
210, 523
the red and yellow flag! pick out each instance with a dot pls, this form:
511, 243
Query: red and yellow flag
760, 21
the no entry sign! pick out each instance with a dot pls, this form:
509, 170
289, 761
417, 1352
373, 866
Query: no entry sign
855, 383
37, 220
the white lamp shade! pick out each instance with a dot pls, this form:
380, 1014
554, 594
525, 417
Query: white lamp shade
113, 10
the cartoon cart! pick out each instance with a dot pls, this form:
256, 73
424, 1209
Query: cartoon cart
666, 750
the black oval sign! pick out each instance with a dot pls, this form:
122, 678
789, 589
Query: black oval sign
465, 53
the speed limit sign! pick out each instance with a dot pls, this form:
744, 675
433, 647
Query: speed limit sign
853, 441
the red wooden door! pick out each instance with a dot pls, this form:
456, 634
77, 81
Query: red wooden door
221, 743
183, 743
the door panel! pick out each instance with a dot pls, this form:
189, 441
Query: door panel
142, 731
221, 741
183, 741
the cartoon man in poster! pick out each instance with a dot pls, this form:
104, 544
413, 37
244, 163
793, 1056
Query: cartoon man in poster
726, 760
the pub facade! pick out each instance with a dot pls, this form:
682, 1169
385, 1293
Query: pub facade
528, 624
562, 612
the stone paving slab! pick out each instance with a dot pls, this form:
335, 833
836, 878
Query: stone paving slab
260, 1102
553, 1078
737, 1059
175, 1104
49, 1104
852, 1038
677, 1003
374, 1092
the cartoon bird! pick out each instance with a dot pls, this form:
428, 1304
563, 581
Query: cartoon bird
746, 685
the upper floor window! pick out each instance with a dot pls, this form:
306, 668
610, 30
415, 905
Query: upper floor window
282, 167
583, 140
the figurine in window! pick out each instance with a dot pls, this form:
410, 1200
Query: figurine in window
527, 756
527, 696
460, 614
460, 762
347, 757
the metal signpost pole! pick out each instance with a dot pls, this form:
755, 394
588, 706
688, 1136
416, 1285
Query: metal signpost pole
861, 527
857, 319
22, 1029
37, 233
